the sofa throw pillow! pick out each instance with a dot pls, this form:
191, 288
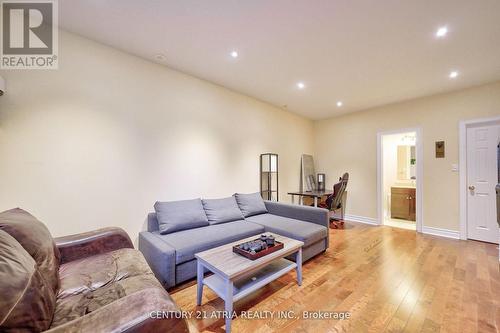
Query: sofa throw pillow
180, 215
250, 204
36, 239
27, 301
222, 210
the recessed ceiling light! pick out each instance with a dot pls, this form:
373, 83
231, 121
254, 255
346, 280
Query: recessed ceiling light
453, 74
234, 54
339, 103
441, 32
160, 57
301, 85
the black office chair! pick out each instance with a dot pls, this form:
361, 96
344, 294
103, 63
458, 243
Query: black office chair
336, 201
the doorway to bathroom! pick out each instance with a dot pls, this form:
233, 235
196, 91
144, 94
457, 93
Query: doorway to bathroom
399, 177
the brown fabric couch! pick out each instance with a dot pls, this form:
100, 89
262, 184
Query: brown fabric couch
90, 282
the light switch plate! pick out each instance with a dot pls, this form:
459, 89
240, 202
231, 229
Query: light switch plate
454, 167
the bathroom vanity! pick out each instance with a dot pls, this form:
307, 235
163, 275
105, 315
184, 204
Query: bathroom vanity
403, 203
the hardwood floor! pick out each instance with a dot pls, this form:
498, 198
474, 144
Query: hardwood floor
388, 279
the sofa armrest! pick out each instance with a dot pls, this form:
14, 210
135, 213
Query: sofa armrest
148, 310
305, 213
91, 243
160, 257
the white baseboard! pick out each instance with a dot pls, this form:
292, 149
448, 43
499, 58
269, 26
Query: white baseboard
441, 232
425, 230
361, 219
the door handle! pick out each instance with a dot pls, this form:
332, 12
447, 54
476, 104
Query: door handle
472, 187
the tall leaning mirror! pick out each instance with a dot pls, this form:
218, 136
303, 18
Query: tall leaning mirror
308, 176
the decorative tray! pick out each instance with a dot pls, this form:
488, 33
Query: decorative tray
258, 247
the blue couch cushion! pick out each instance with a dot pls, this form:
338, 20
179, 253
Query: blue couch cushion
304, 231
180, 215
222, 210
250, 204
189, 242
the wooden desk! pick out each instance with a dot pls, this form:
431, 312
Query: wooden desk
311, 194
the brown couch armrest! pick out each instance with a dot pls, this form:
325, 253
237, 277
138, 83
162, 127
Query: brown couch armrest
148, 310
91, 243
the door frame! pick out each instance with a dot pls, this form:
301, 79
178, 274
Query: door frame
420, 175
462, 165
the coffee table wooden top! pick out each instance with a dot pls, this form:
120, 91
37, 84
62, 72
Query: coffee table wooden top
225, 262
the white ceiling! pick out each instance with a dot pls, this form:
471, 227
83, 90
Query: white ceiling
363, 52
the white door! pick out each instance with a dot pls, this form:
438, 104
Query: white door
481, 180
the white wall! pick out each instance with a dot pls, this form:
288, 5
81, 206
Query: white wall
390, 166
349, 143
98, 141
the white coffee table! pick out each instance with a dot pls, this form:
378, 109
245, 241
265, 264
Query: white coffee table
236, 276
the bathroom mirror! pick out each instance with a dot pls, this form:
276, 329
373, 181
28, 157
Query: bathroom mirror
406, 163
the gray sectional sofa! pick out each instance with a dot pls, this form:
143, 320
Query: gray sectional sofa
178, 230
